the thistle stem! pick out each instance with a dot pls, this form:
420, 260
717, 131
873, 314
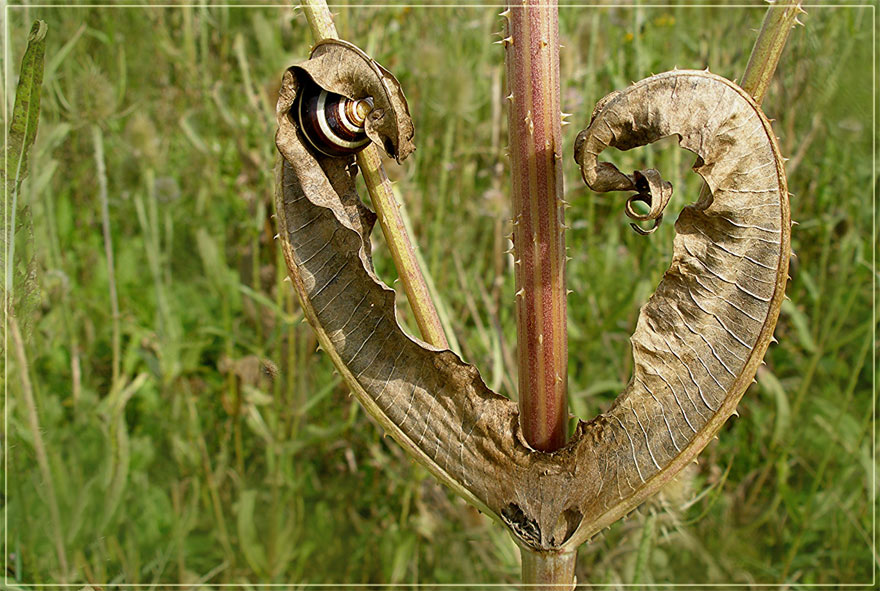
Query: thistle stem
387, 210
535, 131
547, 571
778, 22
535, 128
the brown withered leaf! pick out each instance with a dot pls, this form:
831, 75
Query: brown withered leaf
697, 345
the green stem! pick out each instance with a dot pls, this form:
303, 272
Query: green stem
30, 404
387, 209
646, 544
778, 22
98, 141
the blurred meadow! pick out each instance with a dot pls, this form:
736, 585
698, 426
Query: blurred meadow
193, 434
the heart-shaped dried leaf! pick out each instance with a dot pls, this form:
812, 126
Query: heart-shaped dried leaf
696, 347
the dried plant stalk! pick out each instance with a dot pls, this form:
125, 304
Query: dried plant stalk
696, 348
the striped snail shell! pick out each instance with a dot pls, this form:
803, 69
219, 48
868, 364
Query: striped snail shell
332, 123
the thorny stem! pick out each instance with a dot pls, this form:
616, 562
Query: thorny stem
387, 209
778, 22
535, 129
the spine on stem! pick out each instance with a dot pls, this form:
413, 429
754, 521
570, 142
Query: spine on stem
535, 129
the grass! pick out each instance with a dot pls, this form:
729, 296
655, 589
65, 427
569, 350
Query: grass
210, 443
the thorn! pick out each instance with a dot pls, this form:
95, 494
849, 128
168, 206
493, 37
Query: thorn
797, 22
754, 381
521, 292
543, 43
786, 297
505, 13
735, 413
286, 278
697, 461
529, 122
568, 258
276, 237
569, 291
563, 123
541, 339
789, 277
509, 97
794, 223
318, 349
517, 261
773, 339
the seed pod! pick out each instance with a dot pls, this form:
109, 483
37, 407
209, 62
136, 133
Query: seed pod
332, 123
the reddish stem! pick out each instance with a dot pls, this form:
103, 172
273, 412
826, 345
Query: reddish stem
535, 129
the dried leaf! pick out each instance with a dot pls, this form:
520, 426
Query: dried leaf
704, 331
696, 347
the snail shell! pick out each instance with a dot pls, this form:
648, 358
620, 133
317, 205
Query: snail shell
332, 123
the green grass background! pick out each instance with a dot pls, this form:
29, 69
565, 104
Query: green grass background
225, 450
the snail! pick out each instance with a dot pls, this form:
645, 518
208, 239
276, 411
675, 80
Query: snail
332, 123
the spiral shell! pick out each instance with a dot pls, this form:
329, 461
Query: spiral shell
332, 123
